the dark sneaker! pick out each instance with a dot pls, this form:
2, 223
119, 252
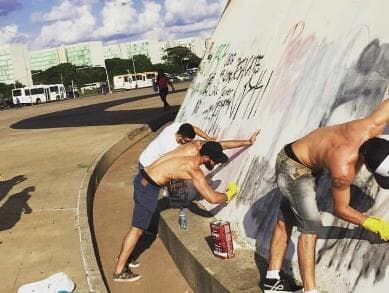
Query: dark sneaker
126, 276
281, 285
133, 264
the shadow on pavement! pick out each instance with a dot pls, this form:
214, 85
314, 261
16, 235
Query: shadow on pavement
6, 185
16, 205
150, 235
97, 114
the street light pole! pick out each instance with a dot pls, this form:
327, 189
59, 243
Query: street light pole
133, 66
74, 96
109, 84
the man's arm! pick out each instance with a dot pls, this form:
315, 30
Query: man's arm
341, 182
343, 169
341, 195
231, 144
202, 134
202, 186
380, 116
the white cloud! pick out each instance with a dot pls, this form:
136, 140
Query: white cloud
206, 24
119, 17
63, 11
189, 11
72, 21
10, 34
64, 29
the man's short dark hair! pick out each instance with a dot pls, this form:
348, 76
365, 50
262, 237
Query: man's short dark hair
186, 130
214, 150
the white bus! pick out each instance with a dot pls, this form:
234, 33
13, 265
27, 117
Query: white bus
56, 92
21, 94
132, 81
39, 94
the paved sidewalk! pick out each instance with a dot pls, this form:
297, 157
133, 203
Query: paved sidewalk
112, 217
45, 151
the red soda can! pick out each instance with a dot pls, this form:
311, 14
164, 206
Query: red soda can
222, 239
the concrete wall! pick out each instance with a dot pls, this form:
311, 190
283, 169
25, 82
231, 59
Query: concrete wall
289, 67
21, 64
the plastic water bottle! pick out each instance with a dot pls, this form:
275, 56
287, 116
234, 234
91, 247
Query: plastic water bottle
182, 219
165, 192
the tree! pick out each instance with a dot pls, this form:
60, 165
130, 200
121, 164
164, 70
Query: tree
181, 57
62, 73
142, 63
118, 66
6, 89
66, 73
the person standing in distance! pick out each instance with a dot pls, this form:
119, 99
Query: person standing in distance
162, 83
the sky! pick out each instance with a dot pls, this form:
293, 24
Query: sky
49, 23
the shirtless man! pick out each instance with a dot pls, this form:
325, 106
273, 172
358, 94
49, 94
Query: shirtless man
146, 189
193, 147
172, 136
342, 149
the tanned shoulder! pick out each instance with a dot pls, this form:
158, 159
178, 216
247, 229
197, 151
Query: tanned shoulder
342, 167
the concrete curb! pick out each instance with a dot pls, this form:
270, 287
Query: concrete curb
188, 248
90, 255
191, 251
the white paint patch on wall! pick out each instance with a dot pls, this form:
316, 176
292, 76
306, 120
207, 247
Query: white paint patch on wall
289, 67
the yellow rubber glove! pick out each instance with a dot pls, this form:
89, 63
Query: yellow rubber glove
232, 190
377, 225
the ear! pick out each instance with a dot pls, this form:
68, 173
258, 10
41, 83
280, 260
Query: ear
206, 158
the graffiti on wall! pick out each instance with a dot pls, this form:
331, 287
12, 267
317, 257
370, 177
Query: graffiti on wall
315, 82
237, 82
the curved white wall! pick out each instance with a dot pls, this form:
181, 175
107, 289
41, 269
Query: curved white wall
288, 67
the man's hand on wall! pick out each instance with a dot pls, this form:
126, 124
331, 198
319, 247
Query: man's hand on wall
378, 226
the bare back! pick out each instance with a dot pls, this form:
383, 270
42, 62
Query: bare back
334, 147
173, 167
184, 168
189, 149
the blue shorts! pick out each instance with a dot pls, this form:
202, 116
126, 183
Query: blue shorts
145, 199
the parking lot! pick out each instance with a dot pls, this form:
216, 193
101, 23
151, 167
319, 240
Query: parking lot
45, 151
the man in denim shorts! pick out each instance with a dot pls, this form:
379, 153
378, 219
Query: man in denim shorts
146, 189
342, 149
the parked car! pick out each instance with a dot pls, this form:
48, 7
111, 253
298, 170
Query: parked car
184, 77
171, 77
69, 94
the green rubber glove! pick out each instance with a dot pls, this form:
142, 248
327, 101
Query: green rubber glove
377, 225
232, 190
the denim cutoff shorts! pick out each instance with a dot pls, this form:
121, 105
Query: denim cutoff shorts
298, 204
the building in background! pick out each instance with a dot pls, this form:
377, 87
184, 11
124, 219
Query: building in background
81, 54
196, 45
15, 64
85, 54
152, 49
95, 53
113, 51
44, 59
155, 50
